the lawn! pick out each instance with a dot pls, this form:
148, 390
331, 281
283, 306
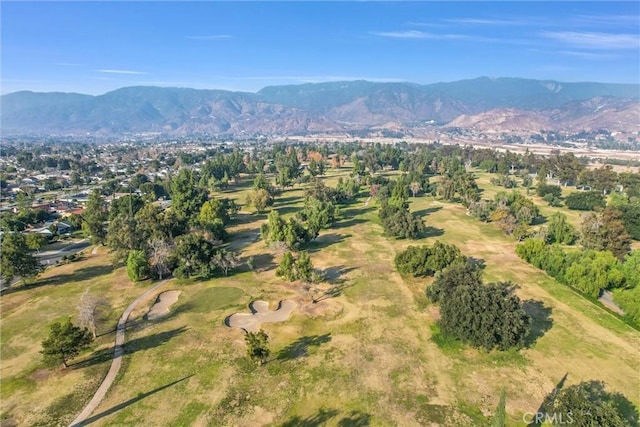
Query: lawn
368, 354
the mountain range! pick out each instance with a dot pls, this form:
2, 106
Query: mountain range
490, 104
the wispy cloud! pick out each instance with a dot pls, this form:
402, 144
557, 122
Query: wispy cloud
414, 34
613, 20
110, 71
210, 37
591, 40
426, 24
588, 55
485, 21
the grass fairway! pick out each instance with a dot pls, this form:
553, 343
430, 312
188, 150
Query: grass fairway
369, 355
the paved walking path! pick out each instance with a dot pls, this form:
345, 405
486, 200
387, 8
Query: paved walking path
116, 363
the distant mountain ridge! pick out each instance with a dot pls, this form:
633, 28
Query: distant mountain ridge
316, 107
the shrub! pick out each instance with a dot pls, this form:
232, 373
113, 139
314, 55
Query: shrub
544, 189
425, 260
585, 201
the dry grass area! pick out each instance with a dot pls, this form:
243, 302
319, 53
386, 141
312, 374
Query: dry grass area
364, 355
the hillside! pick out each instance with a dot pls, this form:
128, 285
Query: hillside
327, 108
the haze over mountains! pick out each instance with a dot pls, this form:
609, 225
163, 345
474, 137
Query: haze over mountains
502, 104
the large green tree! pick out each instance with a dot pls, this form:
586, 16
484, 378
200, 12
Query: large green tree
17, 259
95, 217
488, 316
589, 404
187, 197
65, 341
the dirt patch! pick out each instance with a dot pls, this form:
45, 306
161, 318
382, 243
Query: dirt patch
261, 314
325, 309
40, 375
161, 307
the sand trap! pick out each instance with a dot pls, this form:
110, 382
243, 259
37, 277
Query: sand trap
261, 314
161, 308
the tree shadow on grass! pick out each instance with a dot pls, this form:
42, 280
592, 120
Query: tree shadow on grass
427, 211
348, 223
284, 210
300, 347
479, 263
541, 320
130, 347
333, 292
335, 274
264, 262
324, 241
353, 419
548, 401
353, 212
129, 402
289, 199
431, 232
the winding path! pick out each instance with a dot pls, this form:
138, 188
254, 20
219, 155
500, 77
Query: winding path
117, 360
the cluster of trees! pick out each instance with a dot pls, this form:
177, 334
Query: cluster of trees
590, 271
296, 268
505, 181
512, 211
427, 260
152, 241
394, 210
605, 231
289, 234
484, 315
585, 200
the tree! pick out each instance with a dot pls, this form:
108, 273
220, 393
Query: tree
486, 316
318, 214
89, 310
585, 201
287, 267
65, 341
459, 273
415, 188
186, 196
35, 241
500, 417
559, 230
17, 259
399, 222
304, 267
594, 271
259, 199
589, 404
76, 179
225, 261
159, 254
257, 346
605, 231
95, 216
425, 260
137, 265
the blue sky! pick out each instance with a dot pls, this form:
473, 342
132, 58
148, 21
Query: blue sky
94, 47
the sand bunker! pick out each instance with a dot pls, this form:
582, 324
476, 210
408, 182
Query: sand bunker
260, 314
163, 302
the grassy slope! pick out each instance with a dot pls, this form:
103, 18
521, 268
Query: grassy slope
365, 355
